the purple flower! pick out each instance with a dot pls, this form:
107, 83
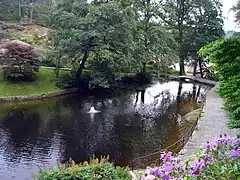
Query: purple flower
157, 171
167, 177
221, 149
180, 165
166, 157
235, 154
202, 164
168, 167
195, 172
236, 143
210, 145
220, 157
162, 155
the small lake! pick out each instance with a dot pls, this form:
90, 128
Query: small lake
132, 123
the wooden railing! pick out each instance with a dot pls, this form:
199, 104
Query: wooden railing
153, 158
193, 78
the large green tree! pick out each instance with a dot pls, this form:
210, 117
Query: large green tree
194, 23
110, 36
225, 55
99, 31
206, 28
236, 9
10, 10
43, 11
176, 14
154, 42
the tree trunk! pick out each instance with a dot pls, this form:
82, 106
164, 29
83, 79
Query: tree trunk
181, 14
181, 64
84, 59
200, 67
136, 99
56, 70
179, 97
198, 91
179, 91
195, 68
31, 13
194, 91
147, 17
144, 68
142, 96
20, 8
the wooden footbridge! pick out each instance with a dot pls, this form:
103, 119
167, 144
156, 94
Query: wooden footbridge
193, 78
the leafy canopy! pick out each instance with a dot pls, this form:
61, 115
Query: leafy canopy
225, 55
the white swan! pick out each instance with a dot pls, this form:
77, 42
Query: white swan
93, 111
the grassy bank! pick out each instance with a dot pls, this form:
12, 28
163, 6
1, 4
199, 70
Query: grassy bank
45, 83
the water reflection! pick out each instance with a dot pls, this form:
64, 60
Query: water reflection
131, 124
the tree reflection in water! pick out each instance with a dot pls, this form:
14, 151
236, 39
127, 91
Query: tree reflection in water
131, 124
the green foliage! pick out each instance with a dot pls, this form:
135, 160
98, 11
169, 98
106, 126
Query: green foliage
33, 35
142, 78
123, 36
123, 173
45, 83
153, 41
66, 80
194, 118
25, 38
226, 56
100, 32
236, 9
9, 10
238, 135
212, 76
95, 170
43, 12
110, 37
194, 24
45, 61
43, 20
138, 79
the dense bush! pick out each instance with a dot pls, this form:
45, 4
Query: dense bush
212, 76
95, 170
47, 62
43, 20
33, 37
9, 10
19, 59
225, 54
219, 159
22, 37
143, 78
66, 81
137, 79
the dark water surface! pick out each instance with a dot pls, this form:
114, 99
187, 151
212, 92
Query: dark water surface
40, 134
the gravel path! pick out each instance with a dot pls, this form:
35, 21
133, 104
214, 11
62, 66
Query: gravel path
213, 123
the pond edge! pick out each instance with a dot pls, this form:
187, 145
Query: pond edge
75, 90
139, 172
38, 96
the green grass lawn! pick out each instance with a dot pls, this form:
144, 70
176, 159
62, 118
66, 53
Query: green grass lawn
44, 84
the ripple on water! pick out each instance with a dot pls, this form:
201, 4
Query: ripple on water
40, 134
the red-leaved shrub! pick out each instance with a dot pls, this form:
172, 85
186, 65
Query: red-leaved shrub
19, 60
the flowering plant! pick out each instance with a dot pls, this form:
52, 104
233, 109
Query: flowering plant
218, 159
